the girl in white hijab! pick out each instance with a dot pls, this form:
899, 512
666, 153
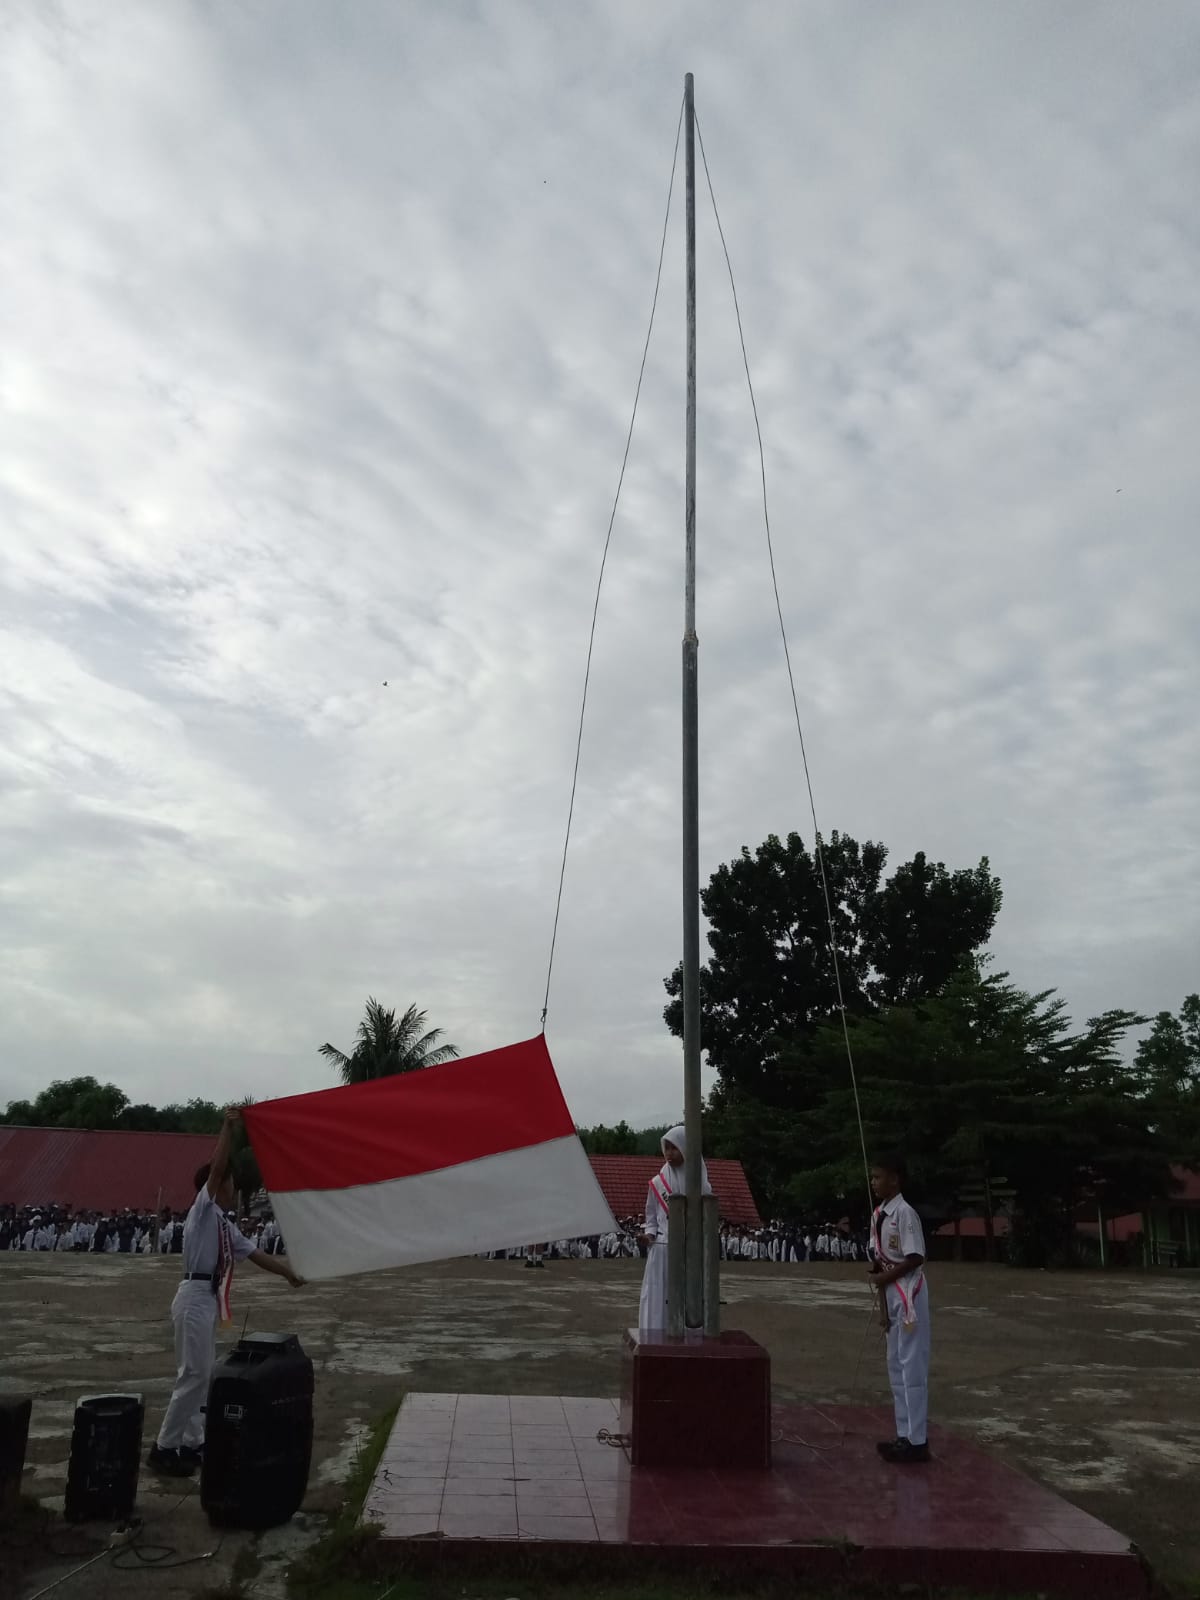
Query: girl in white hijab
652, 1313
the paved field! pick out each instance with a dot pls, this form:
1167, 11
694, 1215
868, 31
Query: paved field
1090, 1383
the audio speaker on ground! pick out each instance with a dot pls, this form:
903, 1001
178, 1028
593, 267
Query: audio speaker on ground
106, 1449
258, 1433
14, 1436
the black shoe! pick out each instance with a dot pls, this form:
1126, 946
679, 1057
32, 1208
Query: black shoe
170, 1463
886, 1446
192, 1454
906, 1454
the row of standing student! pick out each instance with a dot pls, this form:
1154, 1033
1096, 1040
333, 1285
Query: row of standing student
123, 1233
784, 1245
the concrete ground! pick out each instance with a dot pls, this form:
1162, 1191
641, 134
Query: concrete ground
1088, 1382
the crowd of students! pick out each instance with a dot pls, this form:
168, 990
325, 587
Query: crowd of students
793, 1242
125, 1232
131, 1232
783, 1242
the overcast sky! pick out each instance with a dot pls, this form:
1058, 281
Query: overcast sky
319, 326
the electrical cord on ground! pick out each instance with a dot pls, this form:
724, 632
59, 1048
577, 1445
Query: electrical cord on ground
562, 873
162, 1557
67, 1576
158, 1556
787, 656
127, 1541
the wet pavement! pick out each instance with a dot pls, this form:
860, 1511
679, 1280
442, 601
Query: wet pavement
1088, 1382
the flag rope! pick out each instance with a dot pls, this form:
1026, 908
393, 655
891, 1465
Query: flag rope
587, 674
787, 656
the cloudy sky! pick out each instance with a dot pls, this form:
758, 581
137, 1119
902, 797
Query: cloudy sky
319, 327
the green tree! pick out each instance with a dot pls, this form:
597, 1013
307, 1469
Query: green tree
770, 980
196, 1116
1169, 1055
648, 1141
71, 1103
980, 1085
1169, 1060
387, 1044
620, 1140
141, 1119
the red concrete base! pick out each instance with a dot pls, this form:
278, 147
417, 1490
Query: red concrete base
699, 1403
478, 1480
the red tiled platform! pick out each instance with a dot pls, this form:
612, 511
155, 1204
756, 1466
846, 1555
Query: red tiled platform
462, 1472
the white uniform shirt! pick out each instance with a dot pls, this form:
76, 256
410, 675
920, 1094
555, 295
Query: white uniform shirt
201, 1236
896, 1232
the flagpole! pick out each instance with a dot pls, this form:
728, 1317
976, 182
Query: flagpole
694, 1255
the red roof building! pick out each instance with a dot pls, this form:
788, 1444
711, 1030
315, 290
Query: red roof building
625, 1179
90, 1170
108, 1171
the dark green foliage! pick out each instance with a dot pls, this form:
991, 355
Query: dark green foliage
1169, 1060
86, 1103
771, 973
989, 1090
387, 1044
621, 1140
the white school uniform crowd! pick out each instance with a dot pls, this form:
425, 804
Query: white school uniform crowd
123, 1232
788, 1244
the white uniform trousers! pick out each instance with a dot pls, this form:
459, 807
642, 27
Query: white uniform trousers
908, 1370
652, 1308
194, 1315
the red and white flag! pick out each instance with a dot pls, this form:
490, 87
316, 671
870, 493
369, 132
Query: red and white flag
473, 1155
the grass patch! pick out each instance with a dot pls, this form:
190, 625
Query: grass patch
333, 1569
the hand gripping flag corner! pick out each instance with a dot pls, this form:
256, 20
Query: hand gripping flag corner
473, 1155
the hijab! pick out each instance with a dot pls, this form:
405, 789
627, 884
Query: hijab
673, 1177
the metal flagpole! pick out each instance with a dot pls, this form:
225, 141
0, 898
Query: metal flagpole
694, 1253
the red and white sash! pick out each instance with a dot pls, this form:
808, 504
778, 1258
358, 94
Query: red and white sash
223, 1277
915, 1279
662, 1190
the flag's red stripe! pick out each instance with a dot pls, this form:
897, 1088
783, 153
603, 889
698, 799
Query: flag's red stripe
415, 1122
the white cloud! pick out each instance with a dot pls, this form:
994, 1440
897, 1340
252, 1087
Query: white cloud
319, 335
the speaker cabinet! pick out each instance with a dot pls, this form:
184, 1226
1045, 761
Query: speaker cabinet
106, 1449
258, 1433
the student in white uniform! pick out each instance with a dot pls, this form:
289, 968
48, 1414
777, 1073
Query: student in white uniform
211, 1246
652, 1310
898, 1274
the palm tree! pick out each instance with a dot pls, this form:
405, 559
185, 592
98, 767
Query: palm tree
388, 1044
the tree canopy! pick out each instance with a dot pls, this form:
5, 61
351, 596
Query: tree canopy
387, 1044
621, 1140
1168, 1059
987, 1089
770, 977
87, 1103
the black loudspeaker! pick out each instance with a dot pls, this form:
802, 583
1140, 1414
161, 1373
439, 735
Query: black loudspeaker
258, 1433
106, 1450
14, 1436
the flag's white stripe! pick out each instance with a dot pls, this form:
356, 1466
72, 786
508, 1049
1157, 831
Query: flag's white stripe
526, 1196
